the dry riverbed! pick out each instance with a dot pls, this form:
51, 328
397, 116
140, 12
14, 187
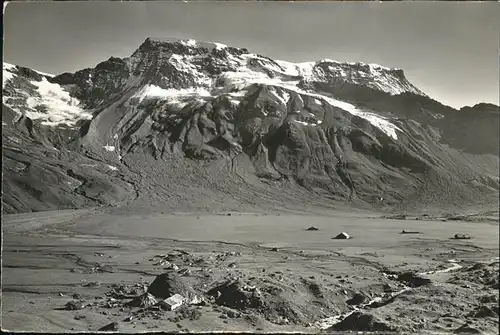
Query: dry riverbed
89, 269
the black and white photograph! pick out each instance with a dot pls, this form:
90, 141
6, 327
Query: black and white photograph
250, 166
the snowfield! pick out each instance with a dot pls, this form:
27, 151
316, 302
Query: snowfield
58, 107
109, 148
153, 91
7, 73
54, 106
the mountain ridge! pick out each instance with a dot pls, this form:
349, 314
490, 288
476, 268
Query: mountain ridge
350, 132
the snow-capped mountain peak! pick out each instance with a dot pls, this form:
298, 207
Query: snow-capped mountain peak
207, 59
178, 69
189, 42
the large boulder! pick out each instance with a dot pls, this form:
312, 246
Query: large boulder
235, 294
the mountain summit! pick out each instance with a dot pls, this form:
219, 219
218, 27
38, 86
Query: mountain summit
188, 123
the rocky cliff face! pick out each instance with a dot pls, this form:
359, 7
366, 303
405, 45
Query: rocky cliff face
202, 123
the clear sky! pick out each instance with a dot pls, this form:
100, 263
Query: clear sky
449, 50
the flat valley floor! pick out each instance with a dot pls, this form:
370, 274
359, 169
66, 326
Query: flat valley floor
79, 270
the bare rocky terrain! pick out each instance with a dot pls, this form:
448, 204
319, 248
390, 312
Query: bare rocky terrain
204, 171
84, 270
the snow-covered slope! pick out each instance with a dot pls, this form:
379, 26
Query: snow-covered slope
29, 93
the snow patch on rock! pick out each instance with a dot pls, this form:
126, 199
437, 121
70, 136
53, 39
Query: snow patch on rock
153, 91
46, 74
109, 148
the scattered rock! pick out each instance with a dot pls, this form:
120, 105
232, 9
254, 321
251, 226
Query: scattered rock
123, 292
92, 284
274, 249
316, 290
461, 237
410, 232
184, 312
488, 298
113, 326
74, 306
312, 228
467, 329
484, 312
388, 288
232, 314
144, 301
342, 236
163, 262
413, 280
236, 294
102, 268
357, 299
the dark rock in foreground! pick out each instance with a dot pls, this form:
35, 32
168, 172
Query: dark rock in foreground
144, 301
359, 321
466, 329
413, 280
74, 305
357, 299
169, 284
461, 237
237, 295
113, 326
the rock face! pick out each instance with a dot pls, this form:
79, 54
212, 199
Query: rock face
181, 115
360, 321
169, 284
237, 295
